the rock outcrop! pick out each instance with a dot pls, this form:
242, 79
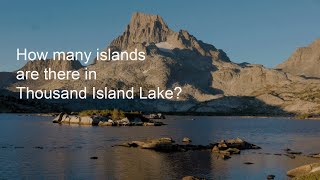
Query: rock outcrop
167, 144
225, 148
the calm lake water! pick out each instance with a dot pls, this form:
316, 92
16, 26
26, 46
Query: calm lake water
64, 151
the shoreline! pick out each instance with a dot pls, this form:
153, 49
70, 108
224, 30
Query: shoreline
54, 114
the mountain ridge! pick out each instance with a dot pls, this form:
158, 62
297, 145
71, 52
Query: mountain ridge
211, 82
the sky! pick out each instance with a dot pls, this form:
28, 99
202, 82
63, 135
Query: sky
259, 32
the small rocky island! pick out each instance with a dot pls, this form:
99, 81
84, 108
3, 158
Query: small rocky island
223, 149
109, 118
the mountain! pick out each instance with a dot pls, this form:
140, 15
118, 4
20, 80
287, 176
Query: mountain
211, 82
304, 61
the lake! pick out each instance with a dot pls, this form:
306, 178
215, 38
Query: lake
32, 147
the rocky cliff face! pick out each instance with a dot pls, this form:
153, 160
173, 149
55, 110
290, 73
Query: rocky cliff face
210, 81
304, 61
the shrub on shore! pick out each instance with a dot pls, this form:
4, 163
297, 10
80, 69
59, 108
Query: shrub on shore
304, 116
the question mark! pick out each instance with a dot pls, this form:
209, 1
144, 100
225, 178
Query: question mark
180, 90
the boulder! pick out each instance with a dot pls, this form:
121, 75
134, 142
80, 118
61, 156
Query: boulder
215, 149
74, 120
157, 116
86, 120
239, 144
161, 144
311, 176
149, 124
102, 123
58, 118
233, 151
271, 176
226, 148
224, 153
222, 146
304, 170
123, 122
186, 140
65, 119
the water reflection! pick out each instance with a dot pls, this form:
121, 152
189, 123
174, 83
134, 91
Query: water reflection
34, 148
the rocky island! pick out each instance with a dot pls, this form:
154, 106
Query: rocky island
223, 149
109, 118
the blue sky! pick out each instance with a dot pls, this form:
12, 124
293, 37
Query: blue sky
264, 32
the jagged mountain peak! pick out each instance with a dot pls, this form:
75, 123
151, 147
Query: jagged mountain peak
143, 28
146, 29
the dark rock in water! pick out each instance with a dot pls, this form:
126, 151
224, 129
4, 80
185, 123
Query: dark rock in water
287, 149
271, 176
18, 147
277, 154
291, 156
315, 155
248, 163
94, 157
38, 147
192, 178
233, 151
293, 152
